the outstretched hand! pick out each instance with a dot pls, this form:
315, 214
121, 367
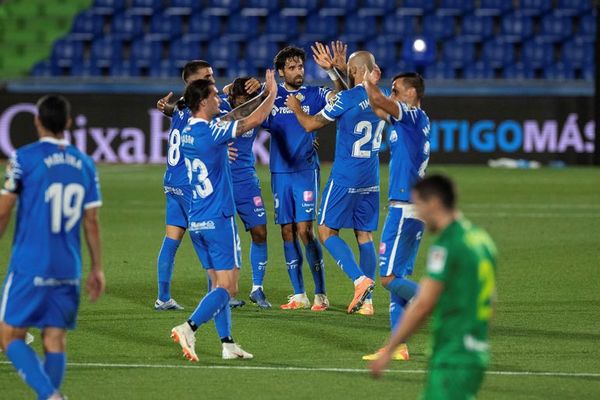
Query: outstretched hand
339, 55
270, 82
162, 103
372, 77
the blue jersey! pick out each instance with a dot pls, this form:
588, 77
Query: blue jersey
409, 146
242, 168
55, 183
291, 146
204, 146
358, 139
176, 173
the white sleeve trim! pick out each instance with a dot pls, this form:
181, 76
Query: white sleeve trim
92, 204
399, 118
233, 135
326, 116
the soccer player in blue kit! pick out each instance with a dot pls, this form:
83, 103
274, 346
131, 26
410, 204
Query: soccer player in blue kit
402, 231
176, 186
57, 189
212, 210
351, 196
295, 178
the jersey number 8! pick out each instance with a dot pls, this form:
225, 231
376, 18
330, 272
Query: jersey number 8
174, 142
366, 128
204, 187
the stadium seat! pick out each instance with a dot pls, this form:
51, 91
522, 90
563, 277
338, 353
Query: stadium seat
399, 67
587, 27
578, 53
377, 7
537, 53
87, 25
588, 72
439, 71
477, 28
571, 8
124, 69
313, 72
455, 7
222, 52
280, 27
337, 7
183, 50
417, 7
259, 7
534, 7
518, 71
260, 52
359, 28
399, 25
493, 7
85, 69
299, 7
516, 27
319, 28
127, 26
106, 51
242, 68
107, 7
458, 52
479, 70
419, 50
183, 7
439, 26
204, 27
222, 7
498, 52
164, 69
146, 7
164, 27
66, 52
241, 28
555, 28
384, 50
45, 69
559, 71
145, 52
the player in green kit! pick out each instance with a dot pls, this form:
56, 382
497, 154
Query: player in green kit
459, 289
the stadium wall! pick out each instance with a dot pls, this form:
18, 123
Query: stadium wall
126, 128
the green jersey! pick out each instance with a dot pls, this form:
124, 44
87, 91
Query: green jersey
463, 258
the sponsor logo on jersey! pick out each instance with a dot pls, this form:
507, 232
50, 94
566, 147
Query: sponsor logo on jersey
382, 248
202, 226
286, 110
308, 195
258, 201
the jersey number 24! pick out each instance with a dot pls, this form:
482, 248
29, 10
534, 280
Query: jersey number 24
365, 128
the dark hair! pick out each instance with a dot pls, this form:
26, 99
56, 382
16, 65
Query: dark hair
191, 67
238, 88
439, 186
54, 112
289, 52
414, 80
195, 92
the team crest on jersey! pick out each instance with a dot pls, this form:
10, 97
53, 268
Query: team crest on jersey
308, 195
300, 97
258, 201
393, 136
221, 124
382, 248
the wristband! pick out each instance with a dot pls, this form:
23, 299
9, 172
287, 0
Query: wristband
332, 75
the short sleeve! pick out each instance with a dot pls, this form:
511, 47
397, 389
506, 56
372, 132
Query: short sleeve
437, 263
93, 198
322, 94
222, 131
14, 175
338, 105
406, 115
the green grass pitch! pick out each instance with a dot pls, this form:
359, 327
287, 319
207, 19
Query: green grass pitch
545, 222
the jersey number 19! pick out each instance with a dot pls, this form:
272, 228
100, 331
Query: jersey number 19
65, 202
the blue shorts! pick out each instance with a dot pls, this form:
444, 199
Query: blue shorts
356, 208
249, 203
217, 243
295, 196
29, 301
400, 239
178, 205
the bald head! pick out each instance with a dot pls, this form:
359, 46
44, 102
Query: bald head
358, 61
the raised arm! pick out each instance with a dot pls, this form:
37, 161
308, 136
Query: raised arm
310, 123
256, 117
323, 57
164, 106
91, 228
380, 104
244, 110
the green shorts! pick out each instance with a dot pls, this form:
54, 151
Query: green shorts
453, 382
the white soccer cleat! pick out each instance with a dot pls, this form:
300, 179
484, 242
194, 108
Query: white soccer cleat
296, 302
185, 336
233, 351
170, 304
321, 303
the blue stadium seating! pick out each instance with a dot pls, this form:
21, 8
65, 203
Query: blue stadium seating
299, 7
313, 72
124, 69
588, 72
280, 27
478, 70
320, 29
537, 53
259, 7
458, 52
377, 7
183, 7
127, 26
573, 7
578, 53
260, 52
359, 28
240, 27
438, 26
384, 50
66, 52
45, 69
477, 28
587, 27
535, 7
399, 25
559, 71
183, 50
518, 71
106, 50
223, 52
419, 57
516, 27
164, 27
555, 28
222, 7
455, 7
146, 7
338, 7
242, 68
164, 69
107, 7
85, 69
493, 7
417, 7
400, 66
498, 52
87, 25
146, 52
439, 71
204, 27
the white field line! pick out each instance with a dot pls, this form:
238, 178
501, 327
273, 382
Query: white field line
307, 369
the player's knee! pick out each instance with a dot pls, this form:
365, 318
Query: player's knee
324, 233
363, 237
287, 232
385, 280
55, 340
259, 234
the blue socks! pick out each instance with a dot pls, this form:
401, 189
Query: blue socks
397, 306
223, 322
403, 288
209, 306
166, 260
29, 368
258, 260
314, 255
368, 261
342, 254
293, 260
55, 365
